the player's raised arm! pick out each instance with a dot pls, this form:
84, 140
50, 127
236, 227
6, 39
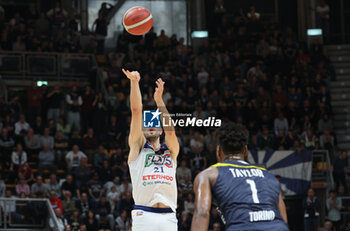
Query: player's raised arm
170, 135
136, 137
202, 190
282, 208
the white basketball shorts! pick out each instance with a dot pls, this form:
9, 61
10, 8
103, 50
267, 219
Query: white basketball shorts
152, 221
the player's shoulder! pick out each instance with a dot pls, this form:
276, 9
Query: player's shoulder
210, 174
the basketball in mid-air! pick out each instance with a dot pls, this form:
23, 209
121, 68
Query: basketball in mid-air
137, 20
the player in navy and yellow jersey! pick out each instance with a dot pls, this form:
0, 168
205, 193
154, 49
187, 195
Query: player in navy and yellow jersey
248, 196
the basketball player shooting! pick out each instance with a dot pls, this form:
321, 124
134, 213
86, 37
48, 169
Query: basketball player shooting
152, 164
248, 196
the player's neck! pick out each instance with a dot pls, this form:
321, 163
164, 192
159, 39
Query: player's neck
154, 144
234, 158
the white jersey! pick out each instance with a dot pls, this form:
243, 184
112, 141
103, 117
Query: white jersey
153, 177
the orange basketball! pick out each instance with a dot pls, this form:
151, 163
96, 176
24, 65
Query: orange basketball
137, 20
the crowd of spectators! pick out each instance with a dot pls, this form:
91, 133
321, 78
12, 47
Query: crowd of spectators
70, 144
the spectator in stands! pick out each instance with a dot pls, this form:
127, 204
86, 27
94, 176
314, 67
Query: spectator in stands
116, 182
55, 98
57, 17
6, 145
73, 158
182, 171
54, 185
62, 222
46, 139
34, 99
75, 139
39, 126
122, 222
281, 123
334, 205
68, 205
99, 157
189, 203
22, 187
325, 123
70, 186
187, 185
19, 157
32, 142
74, 100
113, 197
340, 167
82, 173
55, 201
21, 127
74, 221
105, 172
101, 30
90, 143
26, 172
61, 148
309, 140
85, 205
46, 159
39, 187
87, 116
2, 186
328, 226
311, 206
103, 212
265, 139
323, 11
96, 187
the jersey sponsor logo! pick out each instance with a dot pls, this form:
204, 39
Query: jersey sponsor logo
159, 160
265, 215
139, 213
157, 177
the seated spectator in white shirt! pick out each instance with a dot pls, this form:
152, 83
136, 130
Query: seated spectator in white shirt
19, 157
21, 127
73, 158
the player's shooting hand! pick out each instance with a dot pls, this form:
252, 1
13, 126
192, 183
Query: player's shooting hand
158, 93
133, 75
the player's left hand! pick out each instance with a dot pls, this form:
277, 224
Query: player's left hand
158, 93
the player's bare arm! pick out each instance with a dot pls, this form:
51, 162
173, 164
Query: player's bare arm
170, 135
282, 208
203, 196
136, 137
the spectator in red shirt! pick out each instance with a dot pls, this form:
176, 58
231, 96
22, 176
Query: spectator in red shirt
55, 202
34, 99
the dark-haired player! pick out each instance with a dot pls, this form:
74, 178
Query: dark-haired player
248, 196
152, 164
